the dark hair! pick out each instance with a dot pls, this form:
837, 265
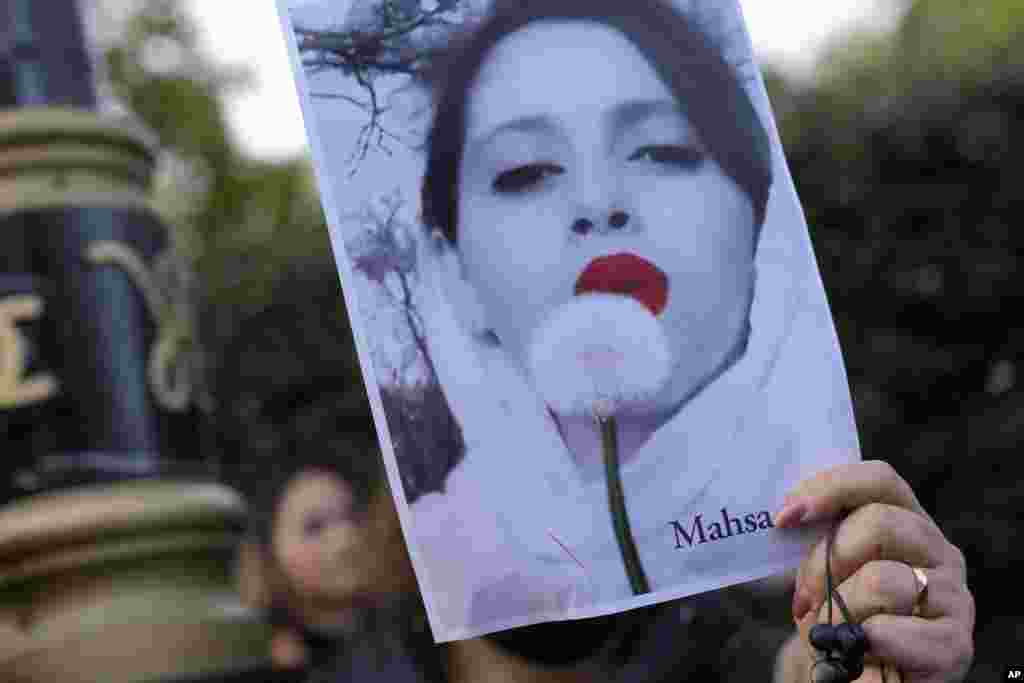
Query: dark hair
344, 446
680, 53
291, 397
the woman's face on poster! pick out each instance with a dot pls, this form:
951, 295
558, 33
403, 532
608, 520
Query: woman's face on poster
568, 124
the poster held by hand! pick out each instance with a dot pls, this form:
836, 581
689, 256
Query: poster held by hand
585, 301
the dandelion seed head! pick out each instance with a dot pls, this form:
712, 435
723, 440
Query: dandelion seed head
598, 354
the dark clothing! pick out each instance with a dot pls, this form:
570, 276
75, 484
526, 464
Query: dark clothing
727, 635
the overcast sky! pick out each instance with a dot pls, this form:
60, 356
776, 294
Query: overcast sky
787, 33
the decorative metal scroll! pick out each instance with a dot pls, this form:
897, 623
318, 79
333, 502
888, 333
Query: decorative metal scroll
173, 364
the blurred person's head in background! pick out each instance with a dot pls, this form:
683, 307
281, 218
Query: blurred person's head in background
324, 543
322, 551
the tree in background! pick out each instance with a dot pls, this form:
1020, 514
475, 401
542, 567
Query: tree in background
246, 227
903, 155
240, 220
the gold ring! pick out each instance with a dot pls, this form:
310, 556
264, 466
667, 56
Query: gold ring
921, 581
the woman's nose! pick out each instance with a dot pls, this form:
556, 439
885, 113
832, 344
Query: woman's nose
598, 201
341, 537
597, 187
616, 219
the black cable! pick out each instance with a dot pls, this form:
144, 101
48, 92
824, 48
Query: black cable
842, 645
828, 580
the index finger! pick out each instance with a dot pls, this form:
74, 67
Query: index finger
844, 488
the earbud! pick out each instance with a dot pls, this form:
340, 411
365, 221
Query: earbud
852, 640
854, 666
830, 670
842, 645
823, 638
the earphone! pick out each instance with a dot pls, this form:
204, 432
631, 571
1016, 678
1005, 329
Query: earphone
842, 646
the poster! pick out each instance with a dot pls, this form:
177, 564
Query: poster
594, 336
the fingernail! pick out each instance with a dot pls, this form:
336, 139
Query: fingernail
791, 514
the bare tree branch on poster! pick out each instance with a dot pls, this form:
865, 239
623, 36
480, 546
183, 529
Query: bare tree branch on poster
384, 251
398, 39
381, 39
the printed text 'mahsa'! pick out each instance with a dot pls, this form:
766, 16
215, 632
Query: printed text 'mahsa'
701, 532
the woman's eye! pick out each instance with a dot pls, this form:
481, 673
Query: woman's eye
523, 178
314, 525
681, 156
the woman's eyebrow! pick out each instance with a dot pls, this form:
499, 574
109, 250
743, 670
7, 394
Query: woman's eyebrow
630, 113
526, 124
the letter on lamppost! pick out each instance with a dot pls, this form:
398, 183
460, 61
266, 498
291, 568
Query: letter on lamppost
16, 389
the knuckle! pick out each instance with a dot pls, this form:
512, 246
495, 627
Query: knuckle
877, 515
879, 522
874, 579
904, 489
885, 471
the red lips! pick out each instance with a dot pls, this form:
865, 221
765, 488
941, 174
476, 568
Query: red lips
629, 275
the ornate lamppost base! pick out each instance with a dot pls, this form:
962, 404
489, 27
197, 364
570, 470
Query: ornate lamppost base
124, 583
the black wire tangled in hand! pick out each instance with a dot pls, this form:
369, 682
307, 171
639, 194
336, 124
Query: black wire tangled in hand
842, 645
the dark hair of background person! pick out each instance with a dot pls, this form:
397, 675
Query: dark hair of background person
291, 396
349, 450
705, 85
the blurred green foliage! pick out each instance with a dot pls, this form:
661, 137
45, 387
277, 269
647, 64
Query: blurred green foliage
906, 154
241, 221
278, 346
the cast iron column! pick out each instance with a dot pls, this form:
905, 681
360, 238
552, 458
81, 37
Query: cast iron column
114, 565
94, 372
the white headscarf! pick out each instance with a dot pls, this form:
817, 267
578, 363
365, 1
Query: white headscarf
520, 536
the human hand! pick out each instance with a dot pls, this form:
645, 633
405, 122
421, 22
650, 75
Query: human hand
926, 636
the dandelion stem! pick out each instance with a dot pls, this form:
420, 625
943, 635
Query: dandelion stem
617, 507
